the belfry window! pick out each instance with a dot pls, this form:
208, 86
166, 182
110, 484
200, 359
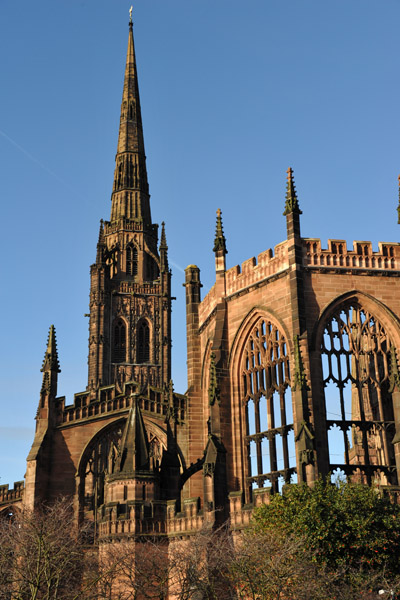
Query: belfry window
143, 342
357, 359
119, 347
131, 261
265, 378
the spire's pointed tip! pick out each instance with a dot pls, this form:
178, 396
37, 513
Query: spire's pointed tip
130, 17
50, 361
220, 241
135, 454
101, 232
292, 203
163, 239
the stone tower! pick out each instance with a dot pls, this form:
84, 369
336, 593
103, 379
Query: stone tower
129, 362
130, 299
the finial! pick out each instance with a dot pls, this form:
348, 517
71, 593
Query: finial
291, 204
101, 232
50, 362
220, 241
163, 240
398, 207
130, 16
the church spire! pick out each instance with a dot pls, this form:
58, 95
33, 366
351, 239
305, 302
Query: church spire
130, 197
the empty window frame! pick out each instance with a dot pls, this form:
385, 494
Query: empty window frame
143, 342
119, 345
356, 363
268, 407
131, 261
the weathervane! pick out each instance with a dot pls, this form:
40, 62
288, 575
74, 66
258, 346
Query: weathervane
130, 14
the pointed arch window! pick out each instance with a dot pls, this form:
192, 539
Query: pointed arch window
131, 261
143, 342
357, 363
265, 381
119, 346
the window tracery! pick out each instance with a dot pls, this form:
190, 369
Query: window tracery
119, 346
265, 374
131, 261
356, 363
96, 464
143, 342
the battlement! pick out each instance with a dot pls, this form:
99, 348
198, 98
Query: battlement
251, 272
190, 520
16, 493
361, 256
108, 400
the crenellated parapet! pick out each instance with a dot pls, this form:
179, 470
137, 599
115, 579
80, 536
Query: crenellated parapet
108, 401
252, 272
362, 256
132, 519
187, 522
12, 495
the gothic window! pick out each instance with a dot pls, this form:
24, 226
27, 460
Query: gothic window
356, 361
268, 407
98, 460
143, 342
131, 260
119, 347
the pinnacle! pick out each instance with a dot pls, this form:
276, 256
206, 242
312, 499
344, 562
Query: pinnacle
163, 240
101, 232
292, 203
219, 241
135, 455
50, 362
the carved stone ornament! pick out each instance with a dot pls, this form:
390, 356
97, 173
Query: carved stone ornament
394, 378
213, 389
208, 469
299, 379
305, 444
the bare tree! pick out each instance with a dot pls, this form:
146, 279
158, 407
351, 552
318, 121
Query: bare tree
133, 569
270, 566
200, 566
43, 558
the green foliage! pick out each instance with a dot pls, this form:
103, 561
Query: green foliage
348, 526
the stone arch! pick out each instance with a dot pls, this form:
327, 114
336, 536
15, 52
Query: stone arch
119, 340
131, 260
262, 408
93, 465
144, 341
382, 312
9, 512
355, 342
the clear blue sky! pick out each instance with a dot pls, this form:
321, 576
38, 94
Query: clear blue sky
232, 92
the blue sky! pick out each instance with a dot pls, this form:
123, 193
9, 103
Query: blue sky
232, 93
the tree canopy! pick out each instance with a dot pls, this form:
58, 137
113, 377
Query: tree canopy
347, 526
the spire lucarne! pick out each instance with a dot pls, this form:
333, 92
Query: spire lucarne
130, 196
